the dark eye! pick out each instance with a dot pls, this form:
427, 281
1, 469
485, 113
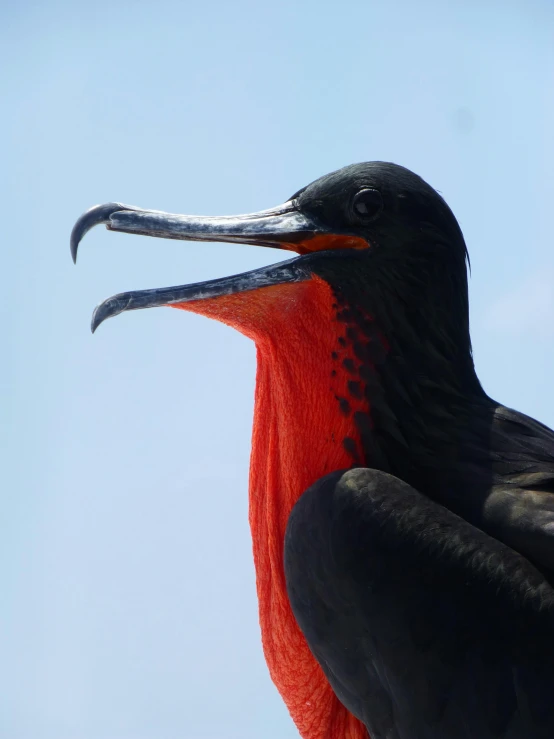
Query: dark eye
367, 204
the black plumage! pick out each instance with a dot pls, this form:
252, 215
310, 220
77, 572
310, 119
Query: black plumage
425, 626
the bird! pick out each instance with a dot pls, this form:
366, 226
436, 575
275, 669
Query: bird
402, 519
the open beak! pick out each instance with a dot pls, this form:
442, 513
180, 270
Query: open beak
283, 227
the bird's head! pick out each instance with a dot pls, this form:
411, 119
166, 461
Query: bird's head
371, 227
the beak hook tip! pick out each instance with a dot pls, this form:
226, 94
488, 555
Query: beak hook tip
94, 322
110, 307
99, 316
98, 214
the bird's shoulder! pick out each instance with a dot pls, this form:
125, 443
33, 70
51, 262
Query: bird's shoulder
522, 449
518, 504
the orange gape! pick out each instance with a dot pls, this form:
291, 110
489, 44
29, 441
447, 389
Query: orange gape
303, 414
326, 241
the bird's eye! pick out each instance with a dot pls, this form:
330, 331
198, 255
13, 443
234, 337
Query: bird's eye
367, 204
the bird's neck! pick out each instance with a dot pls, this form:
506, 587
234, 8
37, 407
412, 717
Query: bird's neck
425, 398
405, 316
333, 391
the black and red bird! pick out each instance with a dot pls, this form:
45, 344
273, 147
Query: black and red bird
402, 520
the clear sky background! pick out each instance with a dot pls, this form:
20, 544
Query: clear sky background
127, 606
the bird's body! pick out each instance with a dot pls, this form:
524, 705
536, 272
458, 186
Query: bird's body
425, 626
403, 522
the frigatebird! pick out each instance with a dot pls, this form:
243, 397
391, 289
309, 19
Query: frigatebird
402, 520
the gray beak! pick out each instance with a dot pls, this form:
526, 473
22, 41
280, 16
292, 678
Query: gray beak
283, 227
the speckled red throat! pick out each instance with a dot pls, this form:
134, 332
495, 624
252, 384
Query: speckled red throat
303, 429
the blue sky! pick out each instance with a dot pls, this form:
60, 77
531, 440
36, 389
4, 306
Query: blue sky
128, 603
